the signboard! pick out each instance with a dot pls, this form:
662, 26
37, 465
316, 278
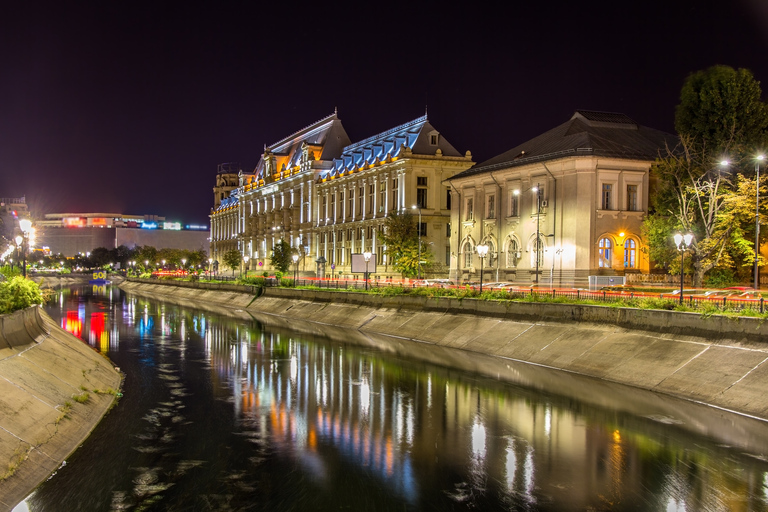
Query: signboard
359, 264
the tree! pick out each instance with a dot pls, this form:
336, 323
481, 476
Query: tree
232, 259
721, 113
401, 238
281, 256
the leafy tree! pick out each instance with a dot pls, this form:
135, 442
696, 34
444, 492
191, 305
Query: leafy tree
401, 238
232, 259
281, 257
721, 113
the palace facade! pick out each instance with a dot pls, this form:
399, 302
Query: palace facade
329, 198
560, 207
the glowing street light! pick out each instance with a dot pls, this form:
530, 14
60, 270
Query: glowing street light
245, 260
683, 242
758, 159
482, 250
367, 255
295, 259
414, 207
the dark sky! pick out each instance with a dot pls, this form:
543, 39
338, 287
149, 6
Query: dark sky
129, 106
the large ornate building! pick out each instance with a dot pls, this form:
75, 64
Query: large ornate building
329, 198
560, 207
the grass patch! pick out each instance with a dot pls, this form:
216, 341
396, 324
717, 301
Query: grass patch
19, 455
81, 398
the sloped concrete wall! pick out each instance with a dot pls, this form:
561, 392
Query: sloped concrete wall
714, 360
41, 368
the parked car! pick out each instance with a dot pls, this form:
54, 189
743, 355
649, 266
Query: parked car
435, 283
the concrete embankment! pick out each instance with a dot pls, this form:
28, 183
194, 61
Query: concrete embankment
54, 389
715, 360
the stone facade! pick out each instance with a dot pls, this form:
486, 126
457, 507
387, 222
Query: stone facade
580, 189
328, 198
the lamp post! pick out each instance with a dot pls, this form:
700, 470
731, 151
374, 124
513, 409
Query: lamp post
683, 242
245, 259
759, 159
295, 258
183, 263
482, 250
537, 243
414, 207
26, 226
19, 246
210, 262
367, 256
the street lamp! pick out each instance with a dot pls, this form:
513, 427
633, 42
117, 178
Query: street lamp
414, 207
759, 159
210, 262
537, 243
683, 242
367, 256
482, 250
183, 263
245, 259
295, 258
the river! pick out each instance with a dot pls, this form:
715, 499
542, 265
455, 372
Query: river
222, 412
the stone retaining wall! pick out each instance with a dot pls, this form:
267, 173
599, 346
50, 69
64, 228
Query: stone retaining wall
41, 368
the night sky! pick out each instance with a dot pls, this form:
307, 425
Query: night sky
129, 107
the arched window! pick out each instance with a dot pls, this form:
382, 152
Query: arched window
537, 252
604, 253
630, 253
491, 261
468, 251
512, 249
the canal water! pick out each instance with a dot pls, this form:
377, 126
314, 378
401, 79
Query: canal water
229, 412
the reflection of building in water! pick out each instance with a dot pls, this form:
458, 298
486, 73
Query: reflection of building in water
332, 406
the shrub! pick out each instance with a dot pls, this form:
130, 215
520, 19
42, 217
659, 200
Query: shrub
720, 278
18, 293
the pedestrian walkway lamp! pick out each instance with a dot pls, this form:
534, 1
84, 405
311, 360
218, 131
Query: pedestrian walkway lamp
367, 256
19, 246
414, 207
482, 250
26, 227
760, 158
295, 258
683, 242
245, 264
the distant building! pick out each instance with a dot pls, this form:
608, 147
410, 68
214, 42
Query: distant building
12, 209
72, 233
560, 207
328, 197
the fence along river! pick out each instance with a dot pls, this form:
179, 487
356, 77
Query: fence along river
223, 412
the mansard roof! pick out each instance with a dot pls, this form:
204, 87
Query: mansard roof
325, 137
586, 133
414, 135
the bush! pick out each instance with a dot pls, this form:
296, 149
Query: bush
253, 281
9, 271
720, 278
18, 293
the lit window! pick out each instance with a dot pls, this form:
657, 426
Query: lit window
629, 253
604, 253
607, 191
632, 198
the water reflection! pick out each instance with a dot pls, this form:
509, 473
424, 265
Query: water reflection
222, 413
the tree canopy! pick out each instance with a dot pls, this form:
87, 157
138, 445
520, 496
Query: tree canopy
232, 259
401, 238
281, 256
720, 116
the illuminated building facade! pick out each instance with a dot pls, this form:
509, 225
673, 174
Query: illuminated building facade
72, 233
328, 198
12, 209
560, 207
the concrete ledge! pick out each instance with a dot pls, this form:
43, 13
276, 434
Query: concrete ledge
719, 361
41, 369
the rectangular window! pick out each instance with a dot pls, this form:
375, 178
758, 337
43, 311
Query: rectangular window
421, 198
448, 198
448, 230
351, 202
422, 229
393, 205
491, 207
360, 201
632, 198
470, 215
382, 195
371, 191
421, 181
514, 206
607, 190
